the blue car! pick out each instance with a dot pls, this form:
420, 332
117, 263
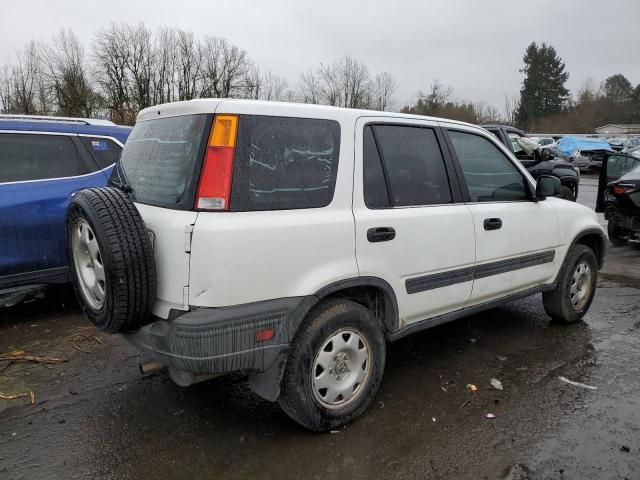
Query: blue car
43, 161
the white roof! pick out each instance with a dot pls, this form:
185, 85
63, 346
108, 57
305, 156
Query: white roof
261, 107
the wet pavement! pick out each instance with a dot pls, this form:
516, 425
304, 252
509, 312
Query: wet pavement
94, 416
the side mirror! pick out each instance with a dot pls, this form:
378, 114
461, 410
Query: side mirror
547, 186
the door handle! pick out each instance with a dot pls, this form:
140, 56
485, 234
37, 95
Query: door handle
381, 234
492, 223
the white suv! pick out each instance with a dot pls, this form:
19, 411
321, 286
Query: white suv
292, 241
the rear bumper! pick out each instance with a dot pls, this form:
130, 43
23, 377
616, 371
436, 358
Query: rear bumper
213, 341
623, 219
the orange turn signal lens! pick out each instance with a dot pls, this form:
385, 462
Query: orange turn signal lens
224, 131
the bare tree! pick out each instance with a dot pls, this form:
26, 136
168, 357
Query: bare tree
110, 56
24, 81
274, 87
140, 61
511, 108
6, 90
330, 88
189, 61
66, 75
226, 70
164, 78
253, 83
309, 87
384, 87
354, 83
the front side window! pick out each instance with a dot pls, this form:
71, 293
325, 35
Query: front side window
284, 163
489, 174
414, 166
25, 157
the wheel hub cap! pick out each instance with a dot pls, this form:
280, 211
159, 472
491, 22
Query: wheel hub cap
341, 369
88, 264
581, 288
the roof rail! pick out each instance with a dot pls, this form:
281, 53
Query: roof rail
43, 118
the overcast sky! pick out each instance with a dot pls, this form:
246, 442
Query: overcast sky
476, 46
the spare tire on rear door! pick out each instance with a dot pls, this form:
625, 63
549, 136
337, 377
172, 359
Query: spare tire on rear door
111, 259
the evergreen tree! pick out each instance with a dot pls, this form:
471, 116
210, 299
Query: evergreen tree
618, 89
543, 92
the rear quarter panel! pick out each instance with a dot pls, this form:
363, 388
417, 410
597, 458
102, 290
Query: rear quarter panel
243, 257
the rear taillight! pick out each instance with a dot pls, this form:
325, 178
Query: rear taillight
619, 190
214, 188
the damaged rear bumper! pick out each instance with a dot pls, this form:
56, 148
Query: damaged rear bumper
212, 341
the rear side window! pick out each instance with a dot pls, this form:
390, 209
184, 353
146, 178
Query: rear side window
284, 163
413, 163
375, 187
489, 174
161, 160
104, 151
26, 157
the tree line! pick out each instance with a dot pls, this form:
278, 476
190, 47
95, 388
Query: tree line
129, 67
544, 103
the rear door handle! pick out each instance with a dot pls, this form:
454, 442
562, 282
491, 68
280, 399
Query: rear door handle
492, 223
381, 234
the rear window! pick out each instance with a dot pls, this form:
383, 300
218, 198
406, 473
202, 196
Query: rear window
284, 163
162, 158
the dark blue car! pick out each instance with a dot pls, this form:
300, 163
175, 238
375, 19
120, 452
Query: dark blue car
43, 161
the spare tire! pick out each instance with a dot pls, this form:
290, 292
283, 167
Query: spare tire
111, 259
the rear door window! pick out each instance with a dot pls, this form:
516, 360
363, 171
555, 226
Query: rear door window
413, 163
25, 157
104, 151
162, 158
284, 163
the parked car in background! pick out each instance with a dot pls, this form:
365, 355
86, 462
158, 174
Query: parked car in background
542, 162
632, 143
43, 161
617, 144
619, 197
292, 241
586, 154
546, 142
635, 151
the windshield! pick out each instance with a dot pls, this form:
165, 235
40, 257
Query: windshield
160, 159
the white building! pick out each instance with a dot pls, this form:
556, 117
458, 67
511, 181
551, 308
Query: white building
618, 129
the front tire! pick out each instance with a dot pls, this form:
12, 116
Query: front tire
335, 366
576, 286
616, 234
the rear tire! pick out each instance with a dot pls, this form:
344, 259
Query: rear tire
111, 259
616, 235
335, 366
576, 286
